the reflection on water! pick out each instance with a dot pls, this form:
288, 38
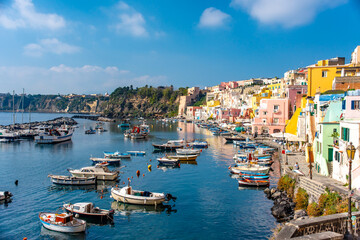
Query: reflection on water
128, 209
46, 234
188, 162
61, 147
166, 168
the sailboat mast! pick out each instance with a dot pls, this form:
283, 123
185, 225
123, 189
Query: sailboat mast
14, 109
22, 102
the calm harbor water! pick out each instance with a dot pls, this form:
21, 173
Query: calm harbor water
209, 202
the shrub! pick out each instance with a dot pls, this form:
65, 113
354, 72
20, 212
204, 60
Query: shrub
301, 199
330, 210
287, 184
342, 206
313, 210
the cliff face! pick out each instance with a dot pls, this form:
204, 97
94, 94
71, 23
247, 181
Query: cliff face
54, 103
145, 101
123, 102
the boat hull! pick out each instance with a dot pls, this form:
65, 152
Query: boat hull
65, 229
72, 180
98, 177
107, 160
126, 198
52, 140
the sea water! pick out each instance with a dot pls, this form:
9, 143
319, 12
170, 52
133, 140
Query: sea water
209, 204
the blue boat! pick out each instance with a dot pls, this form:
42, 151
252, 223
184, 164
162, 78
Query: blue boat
136, 153
254, 177
116, 155
252, 173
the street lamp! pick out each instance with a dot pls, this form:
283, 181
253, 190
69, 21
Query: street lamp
350, 151
310, 158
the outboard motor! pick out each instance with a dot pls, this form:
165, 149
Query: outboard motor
169, 197
7, 194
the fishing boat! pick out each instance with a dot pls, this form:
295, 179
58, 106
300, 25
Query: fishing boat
55, 135
5, 196
183, 157
116, 155
250, 168
168, 162
254, 177
136, 153
69, 180
140, 132
128, 195
125, 124
198, 144
87, 211
170, 145
90, 131
110, 161
188, 151
234, 137
99, 171
254, 183
63, 222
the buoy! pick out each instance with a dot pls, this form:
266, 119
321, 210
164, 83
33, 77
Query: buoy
157, 166
117, 185
150, 160
144, 175
137, 173
25, 238
16, 182
123, 182
149, 167
128, 179
132, 177
101, 197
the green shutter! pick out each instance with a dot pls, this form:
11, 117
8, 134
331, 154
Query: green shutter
330, 154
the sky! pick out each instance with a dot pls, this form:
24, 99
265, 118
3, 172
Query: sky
82, 46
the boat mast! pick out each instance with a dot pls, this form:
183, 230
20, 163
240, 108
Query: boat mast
14, 109
22, 103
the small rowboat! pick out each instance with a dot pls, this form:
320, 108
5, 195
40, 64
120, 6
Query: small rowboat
254, 177
253, 183
136, 153
117, 155
254, 169
168, 162
112, 161
5, 196
187, 151
63, 222
86, 210
128, 195
183, 157
69, 180
197, 144
252, 173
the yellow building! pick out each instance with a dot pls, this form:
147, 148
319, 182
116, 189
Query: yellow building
255, 100
213, 103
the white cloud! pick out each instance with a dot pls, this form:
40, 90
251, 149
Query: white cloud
67, 79
213, 18
49, 45
23, 14
130, 22
286, 13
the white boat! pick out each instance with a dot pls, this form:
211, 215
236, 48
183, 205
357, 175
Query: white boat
116, 155
55, 135
5, 195
183, 157
250, 168
63, 222
139, 132
87, 211
128, 195
187, 151
168, 162
69, 180
8, 136
99, 171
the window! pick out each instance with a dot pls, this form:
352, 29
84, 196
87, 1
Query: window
317, 147
264, 120
324, 74
276, 120
276, 108
337, 156
355, 104
345, 134
265, 112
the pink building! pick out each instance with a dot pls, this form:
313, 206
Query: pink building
271, 116
294, 92
231, 85
190, 112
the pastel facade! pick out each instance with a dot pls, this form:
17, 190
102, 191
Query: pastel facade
271, 116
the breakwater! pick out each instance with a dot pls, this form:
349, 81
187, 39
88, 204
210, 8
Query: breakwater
54, 122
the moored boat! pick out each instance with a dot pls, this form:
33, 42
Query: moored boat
171, 145
90, 131
55, 135
199, 144
250, 168
5, 195
63, 222
254, 183
128, 195
101, 172
69, 180
116, 155
183, 157
110, 161
136, 153
168, 162
187, 151
88, 211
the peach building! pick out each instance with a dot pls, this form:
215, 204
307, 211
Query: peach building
271, 116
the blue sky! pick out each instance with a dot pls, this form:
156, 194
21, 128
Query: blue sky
87, 46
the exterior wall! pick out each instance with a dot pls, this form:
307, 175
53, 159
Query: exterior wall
190, 112
355, 56
351, 113
294, 93
346, 83
317, 82
269, 119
